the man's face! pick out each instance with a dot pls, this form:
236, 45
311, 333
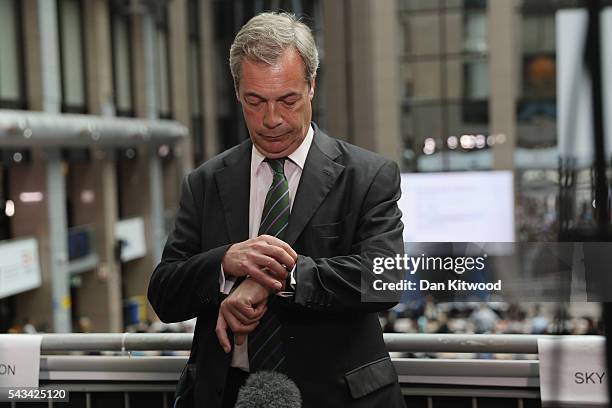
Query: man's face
276, 102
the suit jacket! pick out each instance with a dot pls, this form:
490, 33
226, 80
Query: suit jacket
344, 215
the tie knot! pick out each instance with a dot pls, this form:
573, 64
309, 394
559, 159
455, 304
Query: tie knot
277, 165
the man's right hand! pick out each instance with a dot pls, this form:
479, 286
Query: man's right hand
265, 259
241, 312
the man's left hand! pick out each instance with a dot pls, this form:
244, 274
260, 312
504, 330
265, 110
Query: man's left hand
241, 312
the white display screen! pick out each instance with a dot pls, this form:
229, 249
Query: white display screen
458, 207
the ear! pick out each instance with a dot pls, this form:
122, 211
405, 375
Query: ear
312, 89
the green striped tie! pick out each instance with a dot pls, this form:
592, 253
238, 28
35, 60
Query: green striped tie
265, 342
275, 214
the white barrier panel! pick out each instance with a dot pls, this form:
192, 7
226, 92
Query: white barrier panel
19, 266
19, 360
573, 371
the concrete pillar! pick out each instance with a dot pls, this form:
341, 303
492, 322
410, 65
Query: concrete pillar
99, 57
179, 57
100, 293
31, 220
372, 72
49, 54
138, 66
172, 185
54, 254
58, 248
142, 178
502, 21
208, 83
337, 73
135, 202
156, 198
93, 193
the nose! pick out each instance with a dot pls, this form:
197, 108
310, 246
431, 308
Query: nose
271, 118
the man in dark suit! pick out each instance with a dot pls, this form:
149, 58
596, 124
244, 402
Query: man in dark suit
275, 239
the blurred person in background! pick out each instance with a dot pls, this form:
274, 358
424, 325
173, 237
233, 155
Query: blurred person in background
286, 225
484, 319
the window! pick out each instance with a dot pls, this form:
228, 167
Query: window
12, 93
444, 74
162, 62
72, 56
122, 63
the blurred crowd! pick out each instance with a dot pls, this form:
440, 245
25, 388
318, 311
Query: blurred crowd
428, 316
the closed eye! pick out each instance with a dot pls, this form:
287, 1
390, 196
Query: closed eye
253, 100
290, 102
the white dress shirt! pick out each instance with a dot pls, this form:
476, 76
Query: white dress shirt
261, 180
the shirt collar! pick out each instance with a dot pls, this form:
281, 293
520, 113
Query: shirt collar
298, 156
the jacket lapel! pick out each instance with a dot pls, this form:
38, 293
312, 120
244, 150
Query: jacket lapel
318, 177
234, 186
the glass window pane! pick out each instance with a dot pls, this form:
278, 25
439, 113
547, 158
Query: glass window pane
194, 87
454, 78
537, 124
121, 57
162, 71
468, 117
421, 80
422, 122
421, 34
9, 56
539, 77
476, 31
454, 27
453, 3
409, 5
72, 54
193, 18
538, 33
476, 79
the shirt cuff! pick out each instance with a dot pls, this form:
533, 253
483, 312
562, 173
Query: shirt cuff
292, 284
292, 280
225, 285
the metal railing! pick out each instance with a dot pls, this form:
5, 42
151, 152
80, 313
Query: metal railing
396, 342
125, 372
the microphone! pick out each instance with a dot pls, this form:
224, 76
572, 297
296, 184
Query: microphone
268, 389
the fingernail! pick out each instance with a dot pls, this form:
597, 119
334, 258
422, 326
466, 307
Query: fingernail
278, 285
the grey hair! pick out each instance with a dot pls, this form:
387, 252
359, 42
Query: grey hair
266, 36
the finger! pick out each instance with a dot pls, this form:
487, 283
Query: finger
281, 244
235, 325
277, 270
250, 269
265, 280
221, 330
279, 250
244, 316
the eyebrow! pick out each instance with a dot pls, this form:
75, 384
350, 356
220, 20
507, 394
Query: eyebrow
287, 95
